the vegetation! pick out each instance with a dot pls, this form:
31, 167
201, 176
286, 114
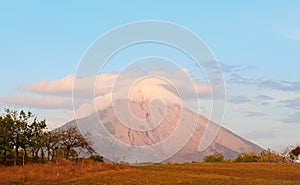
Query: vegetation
216, 157
289, 155
295, 153
269, 156
89, 172
24, 137
248, 157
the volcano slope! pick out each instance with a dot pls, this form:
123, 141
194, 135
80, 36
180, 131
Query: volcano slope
165, 120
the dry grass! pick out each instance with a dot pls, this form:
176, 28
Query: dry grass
192, 173
53, 172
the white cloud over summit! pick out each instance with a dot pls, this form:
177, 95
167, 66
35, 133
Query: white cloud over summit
134, 84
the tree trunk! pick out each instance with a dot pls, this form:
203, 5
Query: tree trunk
4, 156
37, 154
42, 154
17, 155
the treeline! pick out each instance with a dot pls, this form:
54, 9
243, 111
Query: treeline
25, 138
289, 155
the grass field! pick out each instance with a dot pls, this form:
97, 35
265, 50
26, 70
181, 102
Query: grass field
192, 173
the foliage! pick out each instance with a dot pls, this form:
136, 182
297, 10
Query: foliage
20, 130
96, 158
271, 156
216, 157
21, 133
71, 139
295, 153
264, 156
248, 157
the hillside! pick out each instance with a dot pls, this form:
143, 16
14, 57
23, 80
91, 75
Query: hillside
226, 142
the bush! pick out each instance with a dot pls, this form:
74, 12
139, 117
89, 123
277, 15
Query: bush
96, 158
248, 157
264, 156
216, 157
271, 156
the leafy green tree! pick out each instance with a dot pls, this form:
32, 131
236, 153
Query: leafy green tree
23, 131
18, 129
35, 136
6, 146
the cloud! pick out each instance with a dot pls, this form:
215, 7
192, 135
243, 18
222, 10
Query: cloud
294, 34
264, 99
227, 68
249, 113
292, 118
60, 86
238, 79
239, 99
260, 134
287, 86
138, 85
292, 103
45, 102
95, 92
104, 83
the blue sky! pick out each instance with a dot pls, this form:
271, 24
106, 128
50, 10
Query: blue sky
256, 42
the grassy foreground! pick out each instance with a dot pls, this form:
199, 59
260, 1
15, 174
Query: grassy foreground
192, 173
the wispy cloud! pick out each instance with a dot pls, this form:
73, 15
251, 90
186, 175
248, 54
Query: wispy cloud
260, 134
292, 118
264, 99
292, 103
293, 34
249, 113
239, 99
292, 86
45, 102
239, 79
227, 68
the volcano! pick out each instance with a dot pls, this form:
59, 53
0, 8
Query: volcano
107, 124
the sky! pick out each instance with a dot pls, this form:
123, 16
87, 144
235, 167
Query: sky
256, 43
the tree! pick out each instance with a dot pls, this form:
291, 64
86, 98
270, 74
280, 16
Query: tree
71, 139
6, 146
295, 153
18, 129
51, 141
35, 136
216, 157
23, 131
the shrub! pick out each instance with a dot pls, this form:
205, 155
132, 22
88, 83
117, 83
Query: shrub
248, 157
271, 156
216, 157
96, 158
